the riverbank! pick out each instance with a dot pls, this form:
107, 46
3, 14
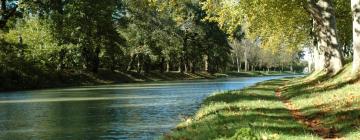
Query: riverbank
315, 107
22, 81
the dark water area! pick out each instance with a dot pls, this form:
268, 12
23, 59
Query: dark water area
124, 111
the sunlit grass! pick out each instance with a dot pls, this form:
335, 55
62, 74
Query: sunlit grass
255, 113
333, 99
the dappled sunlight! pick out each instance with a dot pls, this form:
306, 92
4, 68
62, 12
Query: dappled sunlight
335, 100
255, 108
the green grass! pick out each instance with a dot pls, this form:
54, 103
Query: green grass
333, 99
255, 112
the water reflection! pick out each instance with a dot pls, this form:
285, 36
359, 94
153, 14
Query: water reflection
128, 111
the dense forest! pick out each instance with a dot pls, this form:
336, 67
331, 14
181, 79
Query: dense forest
43, 41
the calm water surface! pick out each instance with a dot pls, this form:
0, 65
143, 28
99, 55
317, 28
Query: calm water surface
125, 111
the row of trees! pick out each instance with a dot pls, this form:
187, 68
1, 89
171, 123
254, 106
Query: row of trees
322, 25
248, 55
46, 36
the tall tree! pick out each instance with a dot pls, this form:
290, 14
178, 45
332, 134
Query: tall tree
7, 10
355, 6
325, 22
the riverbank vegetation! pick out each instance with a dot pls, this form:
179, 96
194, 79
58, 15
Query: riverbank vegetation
103, 76
313, 107
322, 105
50, 43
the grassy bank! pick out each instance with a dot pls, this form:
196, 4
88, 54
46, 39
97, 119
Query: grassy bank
20, 80
315, 107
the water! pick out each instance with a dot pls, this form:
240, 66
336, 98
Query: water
125, 111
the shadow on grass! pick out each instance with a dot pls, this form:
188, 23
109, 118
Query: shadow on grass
260, 120
256, 108
232, 97
317, 85
345, 120
341, 112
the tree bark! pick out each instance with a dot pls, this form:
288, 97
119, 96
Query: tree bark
162, 64
246, 61
206, 60
237, 64
333, 56
355, 7
323, 14
319, 58
167, 66
132, 58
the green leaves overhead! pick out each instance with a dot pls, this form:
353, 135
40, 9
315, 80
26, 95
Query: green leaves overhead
276, 22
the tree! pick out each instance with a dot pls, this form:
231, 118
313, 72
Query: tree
325, 23
7, 10
355, 6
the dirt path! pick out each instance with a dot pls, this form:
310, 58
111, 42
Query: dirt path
315, 124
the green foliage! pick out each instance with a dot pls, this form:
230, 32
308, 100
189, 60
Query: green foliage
37, 44
127, 35
244, 134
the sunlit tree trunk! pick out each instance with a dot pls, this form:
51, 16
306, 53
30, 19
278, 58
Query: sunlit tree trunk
324, 15
328, 35
355, 5
185, 68
319, 59
167, 66
206, 61
238, 64
246, 61
129, 66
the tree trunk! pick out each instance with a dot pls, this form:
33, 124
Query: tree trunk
246, 62
238, 64
185, 68
324, 16
162, 63
319, 59
355, 5
96, 61
167, 66
206, 59
129, 66
138, 69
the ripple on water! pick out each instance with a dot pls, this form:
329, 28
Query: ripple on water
130, 111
